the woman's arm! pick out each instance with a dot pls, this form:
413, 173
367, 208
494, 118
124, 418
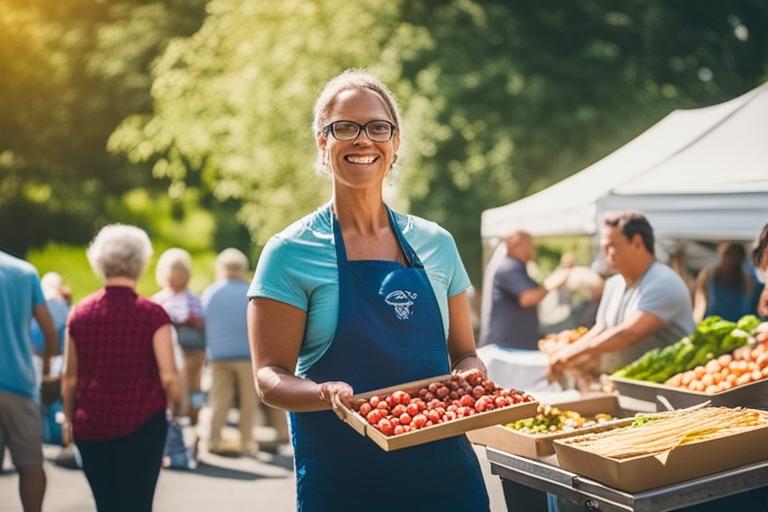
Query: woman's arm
275, 333
162, 344
461, 338
68, 387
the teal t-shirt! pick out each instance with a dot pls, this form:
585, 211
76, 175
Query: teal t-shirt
298, 267
20, 292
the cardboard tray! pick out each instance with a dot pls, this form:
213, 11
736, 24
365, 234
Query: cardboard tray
535, 446
754, 394
683, 463
435, 432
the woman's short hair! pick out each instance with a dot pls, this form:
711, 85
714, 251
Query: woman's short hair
173, 260
119, 250
231, 264
758, 250
348, 80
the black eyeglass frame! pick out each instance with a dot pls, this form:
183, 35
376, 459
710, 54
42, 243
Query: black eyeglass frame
330, 128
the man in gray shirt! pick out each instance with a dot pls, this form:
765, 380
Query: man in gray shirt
514, 320
646, 305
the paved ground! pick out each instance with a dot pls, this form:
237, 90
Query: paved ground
219, 484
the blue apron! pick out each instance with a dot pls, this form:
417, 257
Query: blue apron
389, 331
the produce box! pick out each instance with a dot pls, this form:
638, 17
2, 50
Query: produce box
679, 464
754, 394
435, 432
539, 445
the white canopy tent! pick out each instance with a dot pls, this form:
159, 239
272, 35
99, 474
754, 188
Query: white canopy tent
697, 174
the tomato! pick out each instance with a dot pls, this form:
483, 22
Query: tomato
488, 386
399, 430
478, 391
374, 401
450, 415
374, 416
383, 406
385, 426
403, 397
405, 419
398, 410
467, 401
412, 409
391, 401
365, 409
433, 416
442, 392
419, 421
500, 401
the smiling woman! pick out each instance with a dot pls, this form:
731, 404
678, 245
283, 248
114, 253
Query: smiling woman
355, 297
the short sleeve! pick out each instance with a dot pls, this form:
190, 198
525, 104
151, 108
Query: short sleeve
514, 280
276, 278
459, 279
37, 292
157, 317
664, 298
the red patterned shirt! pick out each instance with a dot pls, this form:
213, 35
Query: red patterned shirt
118, 383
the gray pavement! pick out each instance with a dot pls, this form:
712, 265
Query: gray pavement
264, 483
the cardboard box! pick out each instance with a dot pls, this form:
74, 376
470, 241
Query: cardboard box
683, 463
535, 446
435, 432
754, 394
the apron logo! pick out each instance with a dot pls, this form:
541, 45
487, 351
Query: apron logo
402, 301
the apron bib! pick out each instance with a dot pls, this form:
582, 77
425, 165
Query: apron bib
389, 331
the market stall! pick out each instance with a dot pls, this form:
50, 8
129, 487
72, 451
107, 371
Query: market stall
704, 448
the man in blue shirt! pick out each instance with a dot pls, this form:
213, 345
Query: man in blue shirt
21, 298
514, 320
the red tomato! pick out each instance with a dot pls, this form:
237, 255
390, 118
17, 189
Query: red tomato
365, 409
419, 421
412, 409
405, 419
467, 401
478, 391
404, 398
399, 430
374, 416
398, 410
383, 406
391, 401
450, 415
374, 401
385, 426
433, 416
500, 401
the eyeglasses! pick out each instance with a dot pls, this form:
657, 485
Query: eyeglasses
377, 131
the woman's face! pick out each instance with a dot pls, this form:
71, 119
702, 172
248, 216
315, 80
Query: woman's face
358, 163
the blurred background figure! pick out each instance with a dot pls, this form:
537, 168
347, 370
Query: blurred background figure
575, 303
58, 298
119, 376
21, 298
224, 304
514, 321
173, 272
728, 288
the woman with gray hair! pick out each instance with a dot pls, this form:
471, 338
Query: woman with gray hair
355, 297
119, 376
172, 273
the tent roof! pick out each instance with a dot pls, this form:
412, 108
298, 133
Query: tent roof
719, 149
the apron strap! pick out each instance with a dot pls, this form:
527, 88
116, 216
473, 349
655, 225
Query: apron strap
341, 250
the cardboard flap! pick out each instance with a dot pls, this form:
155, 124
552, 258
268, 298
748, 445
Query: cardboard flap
663, 456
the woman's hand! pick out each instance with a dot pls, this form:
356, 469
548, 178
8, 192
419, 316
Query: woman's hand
336, 394
469, 364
